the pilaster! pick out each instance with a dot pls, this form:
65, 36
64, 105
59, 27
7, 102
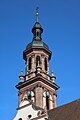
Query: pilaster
39, 96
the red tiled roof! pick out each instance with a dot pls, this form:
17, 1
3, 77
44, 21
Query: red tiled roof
70, 111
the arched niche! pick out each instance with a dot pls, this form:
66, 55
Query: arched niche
38, 60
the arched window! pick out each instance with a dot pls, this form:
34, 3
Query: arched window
37, 60
45, 60
20, 118
47, 100
29, 94
29, 65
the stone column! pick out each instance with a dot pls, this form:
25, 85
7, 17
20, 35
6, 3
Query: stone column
44, 102
33, 63
50, 102
54, 101
44, 99
42, 59
47, 66
27, 66
19, 98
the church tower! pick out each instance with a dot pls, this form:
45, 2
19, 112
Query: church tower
37, 89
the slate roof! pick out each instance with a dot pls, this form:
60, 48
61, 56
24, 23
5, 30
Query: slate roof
37, 43
70, 111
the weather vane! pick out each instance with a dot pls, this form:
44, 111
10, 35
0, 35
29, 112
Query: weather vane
37, 14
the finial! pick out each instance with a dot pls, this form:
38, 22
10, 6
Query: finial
52, 73
37, 14
21, 76
21, 72
53, 77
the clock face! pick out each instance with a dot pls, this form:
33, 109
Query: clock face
46, 93
29, 92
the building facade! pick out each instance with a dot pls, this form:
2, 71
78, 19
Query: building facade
37, 88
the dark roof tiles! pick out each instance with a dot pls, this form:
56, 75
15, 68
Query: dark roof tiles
70, 111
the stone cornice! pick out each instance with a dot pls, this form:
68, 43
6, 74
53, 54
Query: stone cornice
27, 51
39, 79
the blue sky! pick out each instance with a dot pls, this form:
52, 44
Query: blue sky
60, 20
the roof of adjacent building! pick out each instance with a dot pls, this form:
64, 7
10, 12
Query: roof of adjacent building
70, 111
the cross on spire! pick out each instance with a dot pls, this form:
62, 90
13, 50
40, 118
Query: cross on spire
37, 14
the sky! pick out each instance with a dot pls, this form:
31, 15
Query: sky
60, 20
